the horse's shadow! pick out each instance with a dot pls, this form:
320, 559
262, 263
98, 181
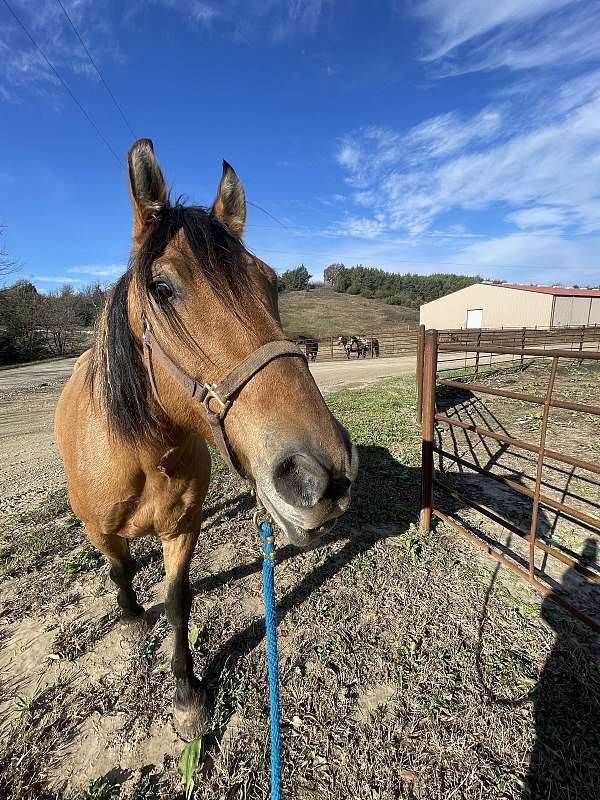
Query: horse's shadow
367, 521
566, 698
564, 760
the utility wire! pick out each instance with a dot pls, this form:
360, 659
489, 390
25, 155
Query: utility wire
97, 68
63, 82
264, 210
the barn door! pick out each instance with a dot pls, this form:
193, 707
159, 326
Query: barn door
474, 317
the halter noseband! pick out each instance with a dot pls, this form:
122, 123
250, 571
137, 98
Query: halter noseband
220, 394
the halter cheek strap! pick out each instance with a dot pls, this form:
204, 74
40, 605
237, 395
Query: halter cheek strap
215, 398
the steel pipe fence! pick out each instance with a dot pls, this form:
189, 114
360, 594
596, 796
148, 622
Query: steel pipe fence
408, 340
432, 344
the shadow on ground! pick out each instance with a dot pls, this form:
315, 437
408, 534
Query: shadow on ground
566, 755
384, 503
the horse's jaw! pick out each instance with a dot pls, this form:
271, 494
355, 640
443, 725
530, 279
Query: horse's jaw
295, 533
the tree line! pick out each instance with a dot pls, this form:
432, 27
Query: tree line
35, 325
408, 289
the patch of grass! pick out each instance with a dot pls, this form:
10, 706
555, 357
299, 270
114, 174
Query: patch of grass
30, 742
84, 560
99, 789
236, 691
28, 705
322, 312
78, 637
188, 765
30, 539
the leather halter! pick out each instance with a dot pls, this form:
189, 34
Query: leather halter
221, 394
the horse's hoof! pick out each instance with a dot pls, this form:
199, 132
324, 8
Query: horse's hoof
191, 720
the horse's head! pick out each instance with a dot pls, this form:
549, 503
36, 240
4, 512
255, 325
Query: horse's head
210, 303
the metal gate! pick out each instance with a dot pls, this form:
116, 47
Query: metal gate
428, 368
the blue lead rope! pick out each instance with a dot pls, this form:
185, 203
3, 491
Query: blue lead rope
266, 533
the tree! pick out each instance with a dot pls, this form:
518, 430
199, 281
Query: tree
343, 280
61, 319
91, 301
331, 273
7, 266
294, 280
20, 313
34, 325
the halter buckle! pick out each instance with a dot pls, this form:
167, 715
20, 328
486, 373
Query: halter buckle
211, 393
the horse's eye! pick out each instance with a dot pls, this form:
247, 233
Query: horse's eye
161, 291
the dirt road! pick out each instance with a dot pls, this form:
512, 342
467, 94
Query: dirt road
29, 463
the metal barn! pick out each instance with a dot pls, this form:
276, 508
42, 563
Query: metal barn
508, 305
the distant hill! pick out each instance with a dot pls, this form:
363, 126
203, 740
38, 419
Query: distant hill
323, 312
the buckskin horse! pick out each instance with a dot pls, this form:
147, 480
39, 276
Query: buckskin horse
189, 349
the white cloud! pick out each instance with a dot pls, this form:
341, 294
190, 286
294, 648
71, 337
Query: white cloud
101, 271
467, 35
454, 24
349, 155
56, 279
538, 217
270, 21
359, 226
21, 64
541, 258
547, 158
440, 136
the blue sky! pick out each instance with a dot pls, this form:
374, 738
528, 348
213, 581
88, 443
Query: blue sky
415, 136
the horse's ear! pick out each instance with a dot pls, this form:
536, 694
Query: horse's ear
230, 203
146, 185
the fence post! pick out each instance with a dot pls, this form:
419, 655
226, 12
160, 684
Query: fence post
331, 339
477, 353
430, 355
523, 337
420, 346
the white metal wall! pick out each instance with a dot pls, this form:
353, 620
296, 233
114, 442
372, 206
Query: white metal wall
572, 311
501, 307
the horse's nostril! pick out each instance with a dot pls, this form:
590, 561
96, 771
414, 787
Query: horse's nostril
338, 489
300, 480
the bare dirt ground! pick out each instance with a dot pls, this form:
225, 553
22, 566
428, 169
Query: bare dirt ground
29, 463
410, 668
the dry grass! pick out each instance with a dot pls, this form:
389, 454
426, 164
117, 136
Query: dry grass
323, 312
407, 669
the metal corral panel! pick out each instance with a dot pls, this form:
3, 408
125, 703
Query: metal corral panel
501, 307
571, 311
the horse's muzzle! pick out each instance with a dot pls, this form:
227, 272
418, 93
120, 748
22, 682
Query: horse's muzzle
305, 493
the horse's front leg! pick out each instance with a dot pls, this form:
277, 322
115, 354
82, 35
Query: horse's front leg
190, 704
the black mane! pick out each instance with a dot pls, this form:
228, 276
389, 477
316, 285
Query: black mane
116, 373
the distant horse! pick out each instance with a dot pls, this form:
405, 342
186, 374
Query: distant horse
373, 345
311, 347
189, 350
354, 344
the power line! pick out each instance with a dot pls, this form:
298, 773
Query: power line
63, 82
268, 213
97, 68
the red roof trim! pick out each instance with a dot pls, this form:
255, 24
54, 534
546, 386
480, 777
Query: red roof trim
557, 291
